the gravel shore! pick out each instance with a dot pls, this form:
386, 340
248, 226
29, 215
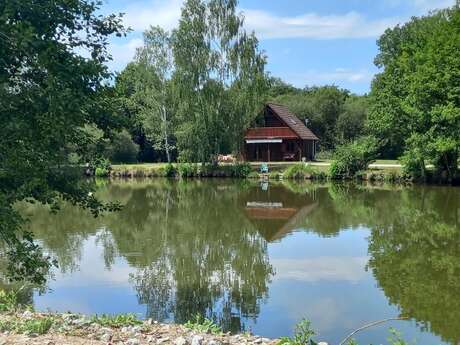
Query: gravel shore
74, 329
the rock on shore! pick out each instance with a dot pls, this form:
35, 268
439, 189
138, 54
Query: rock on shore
74, 329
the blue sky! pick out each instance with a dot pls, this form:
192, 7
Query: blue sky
308, 42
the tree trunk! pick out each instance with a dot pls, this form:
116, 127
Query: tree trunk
165, 128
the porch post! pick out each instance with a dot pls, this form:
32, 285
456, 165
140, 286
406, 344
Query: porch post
268, 151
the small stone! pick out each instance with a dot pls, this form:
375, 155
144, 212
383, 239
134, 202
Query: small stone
197, 340
257, 341
27, 314
162, 340
180, 341
125, 329
132, 341
148, 322
106, 337
323, 343
136, 329
214, 342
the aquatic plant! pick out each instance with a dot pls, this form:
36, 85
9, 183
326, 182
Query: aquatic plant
203, 325
302, 335
116, 321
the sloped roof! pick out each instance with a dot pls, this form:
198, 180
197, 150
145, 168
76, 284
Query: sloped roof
292, 121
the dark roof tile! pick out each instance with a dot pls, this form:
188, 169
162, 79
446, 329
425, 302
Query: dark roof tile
292, 121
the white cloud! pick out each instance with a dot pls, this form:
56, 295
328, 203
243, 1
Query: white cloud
421, 6
266, 25
314, 26
350, 269
165, 13
336, 76
123, 53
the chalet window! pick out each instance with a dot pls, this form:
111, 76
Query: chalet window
290, 146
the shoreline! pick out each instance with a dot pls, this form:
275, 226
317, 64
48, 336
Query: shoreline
35, 328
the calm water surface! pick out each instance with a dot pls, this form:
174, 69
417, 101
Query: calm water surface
261, 257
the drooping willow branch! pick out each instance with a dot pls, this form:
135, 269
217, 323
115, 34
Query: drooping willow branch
369, 325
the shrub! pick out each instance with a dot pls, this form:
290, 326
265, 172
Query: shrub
241, 170
253, 175
352, 158
101, 172
116, 321
275, 175
170, 170
187, 170
203, 325
299, 171
302, 335
8, 300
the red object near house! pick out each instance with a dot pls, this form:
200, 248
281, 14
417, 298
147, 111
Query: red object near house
281, 136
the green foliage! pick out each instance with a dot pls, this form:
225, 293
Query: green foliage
352, 158
49, 93
241, 170
101, 172
203, 325
415, 100
38, 326
275, 175
299, 171
116, 321
253, 175
187, 170
220, 90
8, 300
395, 338
351, 122
302, 335
122, 149
170, 170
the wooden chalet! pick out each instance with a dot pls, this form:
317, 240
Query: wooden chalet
279, 136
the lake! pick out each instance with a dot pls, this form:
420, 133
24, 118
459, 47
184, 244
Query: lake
260, 257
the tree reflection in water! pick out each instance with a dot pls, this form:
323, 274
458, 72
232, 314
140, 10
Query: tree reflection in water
201, 246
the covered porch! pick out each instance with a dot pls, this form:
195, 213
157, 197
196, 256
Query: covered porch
278, 150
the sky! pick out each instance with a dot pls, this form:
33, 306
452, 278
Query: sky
307, 42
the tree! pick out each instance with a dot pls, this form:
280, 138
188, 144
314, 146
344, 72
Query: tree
418, 92
155, 60
122, 149
49, 92
351, 123
219, 78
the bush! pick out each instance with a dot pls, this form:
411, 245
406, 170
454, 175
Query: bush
299, 171
170, 170
101, 172
187, 170
241, 170
253, 175
353, 158
275, 175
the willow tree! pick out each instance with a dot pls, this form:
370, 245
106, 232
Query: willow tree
219, 78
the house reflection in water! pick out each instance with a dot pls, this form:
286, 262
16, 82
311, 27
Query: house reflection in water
277, 211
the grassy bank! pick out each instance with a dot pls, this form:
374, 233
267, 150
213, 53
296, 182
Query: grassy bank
277, 171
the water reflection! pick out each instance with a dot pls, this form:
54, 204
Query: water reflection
264, 256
